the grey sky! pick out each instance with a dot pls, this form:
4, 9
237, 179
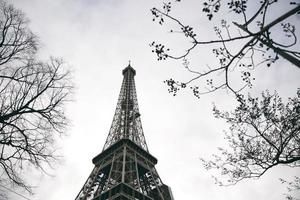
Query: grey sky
97, 38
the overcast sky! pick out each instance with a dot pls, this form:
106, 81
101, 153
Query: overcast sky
96, 38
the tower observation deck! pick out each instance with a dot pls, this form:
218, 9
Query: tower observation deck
125, 170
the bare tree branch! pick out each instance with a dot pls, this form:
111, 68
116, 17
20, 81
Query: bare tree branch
33, 95
247, 49
263, 134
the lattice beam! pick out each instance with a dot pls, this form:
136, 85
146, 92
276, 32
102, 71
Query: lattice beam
126, 123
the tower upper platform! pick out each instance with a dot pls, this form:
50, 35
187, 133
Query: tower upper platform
129, 69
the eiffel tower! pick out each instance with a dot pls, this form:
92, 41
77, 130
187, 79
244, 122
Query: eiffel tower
125, 170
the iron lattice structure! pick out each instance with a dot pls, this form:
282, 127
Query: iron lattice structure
125, 170
126, 122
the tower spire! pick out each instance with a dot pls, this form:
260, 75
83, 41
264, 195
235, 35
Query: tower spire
126, 123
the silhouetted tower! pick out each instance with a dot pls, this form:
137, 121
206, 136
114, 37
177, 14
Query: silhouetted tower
125, 170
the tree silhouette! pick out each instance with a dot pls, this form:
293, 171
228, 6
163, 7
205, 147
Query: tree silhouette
33, 94
264, 133
254, 38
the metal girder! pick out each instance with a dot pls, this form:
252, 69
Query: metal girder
128, 167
